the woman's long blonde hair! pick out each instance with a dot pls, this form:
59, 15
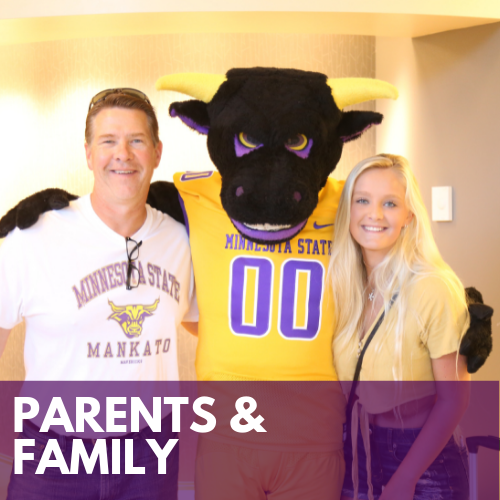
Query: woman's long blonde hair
414, 256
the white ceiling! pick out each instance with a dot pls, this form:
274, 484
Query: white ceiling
31, 21
11, 9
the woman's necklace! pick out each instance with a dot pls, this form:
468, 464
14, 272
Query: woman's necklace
371, 296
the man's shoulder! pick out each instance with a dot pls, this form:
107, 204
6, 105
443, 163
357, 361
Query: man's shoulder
75, 210
165, 224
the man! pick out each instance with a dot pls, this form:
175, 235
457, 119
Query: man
103, 286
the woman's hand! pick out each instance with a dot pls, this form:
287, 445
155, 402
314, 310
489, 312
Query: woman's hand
398, 490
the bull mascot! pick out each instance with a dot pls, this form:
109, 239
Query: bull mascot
260, 228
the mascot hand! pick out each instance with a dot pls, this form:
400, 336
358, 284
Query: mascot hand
477, 342
164, 197
27, 211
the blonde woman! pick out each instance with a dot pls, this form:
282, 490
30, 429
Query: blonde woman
385, 268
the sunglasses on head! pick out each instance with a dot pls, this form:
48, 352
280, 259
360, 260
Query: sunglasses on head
131, 92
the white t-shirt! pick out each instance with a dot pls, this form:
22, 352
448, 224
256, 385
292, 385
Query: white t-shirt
66, 277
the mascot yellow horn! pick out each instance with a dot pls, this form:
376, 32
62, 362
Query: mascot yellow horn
345, 91
201, 86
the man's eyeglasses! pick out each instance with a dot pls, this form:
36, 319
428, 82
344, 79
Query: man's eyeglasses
133, 255
104, 93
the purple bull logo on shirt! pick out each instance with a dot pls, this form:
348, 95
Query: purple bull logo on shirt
131, 318
104, 280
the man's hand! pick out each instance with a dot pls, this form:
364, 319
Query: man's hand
477, 342
27, 211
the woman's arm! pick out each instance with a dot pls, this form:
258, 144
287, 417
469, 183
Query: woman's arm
453, 392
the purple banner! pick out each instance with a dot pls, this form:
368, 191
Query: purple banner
132, 440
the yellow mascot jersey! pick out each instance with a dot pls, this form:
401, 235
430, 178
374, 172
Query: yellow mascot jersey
266, 312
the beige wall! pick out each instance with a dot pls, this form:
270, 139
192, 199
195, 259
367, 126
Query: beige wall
446, 123
45, 89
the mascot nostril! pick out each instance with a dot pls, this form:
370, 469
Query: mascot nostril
297, 196
239, 191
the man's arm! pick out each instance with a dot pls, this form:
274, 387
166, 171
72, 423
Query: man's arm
4, 335
191, 327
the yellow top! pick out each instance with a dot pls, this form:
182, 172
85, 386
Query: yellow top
265, 310
432, 328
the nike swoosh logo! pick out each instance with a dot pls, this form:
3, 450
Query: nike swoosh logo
317, 226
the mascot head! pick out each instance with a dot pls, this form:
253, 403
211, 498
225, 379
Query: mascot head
274, 135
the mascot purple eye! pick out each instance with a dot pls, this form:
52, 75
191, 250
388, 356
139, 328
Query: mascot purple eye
244, 144
300, 145
297, 143
248, 141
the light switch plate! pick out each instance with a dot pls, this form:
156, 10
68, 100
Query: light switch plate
442, 204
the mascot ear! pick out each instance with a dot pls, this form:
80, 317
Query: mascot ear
354, 123
193, 113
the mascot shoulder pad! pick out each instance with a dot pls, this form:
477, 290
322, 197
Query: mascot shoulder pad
204, 185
